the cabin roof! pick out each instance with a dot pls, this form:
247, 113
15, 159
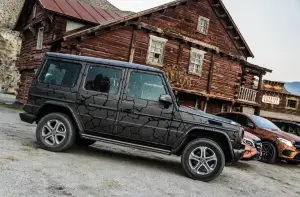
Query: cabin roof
79, 10
218, 5
103, 61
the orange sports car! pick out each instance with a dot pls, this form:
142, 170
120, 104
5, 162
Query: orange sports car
276, 144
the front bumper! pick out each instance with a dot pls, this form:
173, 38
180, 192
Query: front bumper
26, 117
288, 153
238, 154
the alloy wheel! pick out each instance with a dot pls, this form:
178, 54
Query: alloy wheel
203, 160
54, 132
267, 152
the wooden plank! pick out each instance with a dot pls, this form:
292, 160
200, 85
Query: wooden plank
132, 47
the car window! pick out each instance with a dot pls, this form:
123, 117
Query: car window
60, 73
264, 123
232, 117
245, 121
103, 79
145, 86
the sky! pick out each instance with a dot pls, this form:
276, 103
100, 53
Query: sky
270, 27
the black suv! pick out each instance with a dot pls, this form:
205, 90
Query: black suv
76, 99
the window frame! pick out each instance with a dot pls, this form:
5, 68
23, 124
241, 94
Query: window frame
158, 39
105, 66
198, 52
198, 25
145, 72
40, 72
291, 99
40, 39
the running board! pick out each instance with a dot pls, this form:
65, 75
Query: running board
127, 144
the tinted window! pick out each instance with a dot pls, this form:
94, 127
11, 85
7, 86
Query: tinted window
232, 117
103, 79
264, 123
145, 86
60, 73
245, 121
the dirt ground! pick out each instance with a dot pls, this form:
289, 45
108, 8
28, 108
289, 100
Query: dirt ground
107, 170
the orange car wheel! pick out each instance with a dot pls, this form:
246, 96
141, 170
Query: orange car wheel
269, 152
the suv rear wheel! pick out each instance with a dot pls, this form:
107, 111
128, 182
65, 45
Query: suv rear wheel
203, 159
55, 132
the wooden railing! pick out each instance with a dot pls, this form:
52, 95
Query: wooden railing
247, 95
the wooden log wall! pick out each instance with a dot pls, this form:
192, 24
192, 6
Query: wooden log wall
184, 20
281, 108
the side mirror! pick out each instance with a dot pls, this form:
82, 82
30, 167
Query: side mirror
166, 99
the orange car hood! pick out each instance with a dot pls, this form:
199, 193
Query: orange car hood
282, 134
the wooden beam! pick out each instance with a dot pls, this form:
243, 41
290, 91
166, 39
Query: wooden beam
180, 52
216, 5
132, 45
229, 27
242, 48
222, 15
211, 74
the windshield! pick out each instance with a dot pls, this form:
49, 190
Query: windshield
264, 123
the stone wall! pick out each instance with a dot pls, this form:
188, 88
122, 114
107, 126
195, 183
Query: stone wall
10, 44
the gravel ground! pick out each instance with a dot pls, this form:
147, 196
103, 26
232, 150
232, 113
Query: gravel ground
107, 170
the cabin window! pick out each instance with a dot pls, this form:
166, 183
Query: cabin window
40, 39
196, 61
156, 50
71, 25
34, 11
203, 24
292, 103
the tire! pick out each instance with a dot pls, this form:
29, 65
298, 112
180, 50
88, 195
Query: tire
292, 162
212, 150
269, 152
55, 132
84, 142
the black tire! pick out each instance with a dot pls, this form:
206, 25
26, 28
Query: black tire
84, 142
269, 152
292, 162
65, 127
212, 147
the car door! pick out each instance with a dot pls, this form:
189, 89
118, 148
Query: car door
142, 117
98, 98
246, 123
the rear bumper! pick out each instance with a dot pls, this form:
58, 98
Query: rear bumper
26, 117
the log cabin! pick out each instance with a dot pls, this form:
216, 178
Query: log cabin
196, 43
277, 103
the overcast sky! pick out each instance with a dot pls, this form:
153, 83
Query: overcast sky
270, 27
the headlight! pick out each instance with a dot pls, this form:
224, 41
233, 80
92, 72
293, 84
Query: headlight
249, 142
286, 142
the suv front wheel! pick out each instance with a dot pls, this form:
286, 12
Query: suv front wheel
203, 159
55, 132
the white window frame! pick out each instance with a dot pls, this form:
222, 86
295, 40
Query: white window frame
198, 52
291, 99
199, 27
34, 11
157, 39
40, 39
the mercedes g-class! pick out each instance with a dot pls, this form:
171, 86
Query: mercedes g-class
81, 100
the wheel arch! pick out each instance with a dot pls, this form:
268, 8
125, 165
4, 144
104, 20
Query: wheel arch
53, 106
221, 138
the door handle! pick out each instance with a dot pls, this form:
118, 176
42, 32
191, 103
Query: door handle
127, 110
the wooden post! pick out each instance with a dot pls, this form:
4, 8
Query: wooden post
132, 46
211, 73
258, 96
179, 58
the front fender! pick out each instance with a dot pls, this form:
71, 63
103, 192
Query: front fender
181, 142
